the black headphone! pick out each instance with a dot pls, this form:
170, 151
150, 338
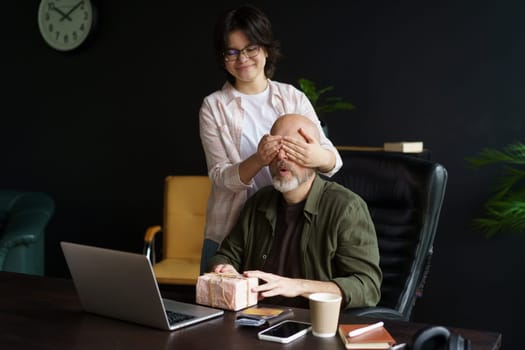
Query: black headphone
439, 338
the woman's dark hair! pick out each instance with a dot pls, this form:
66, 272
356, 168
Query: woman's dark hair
257, 28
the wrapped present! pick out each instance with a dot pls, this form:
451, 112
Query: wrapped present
226, 291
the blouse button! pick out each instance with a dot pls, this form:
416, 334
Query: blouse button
264, 256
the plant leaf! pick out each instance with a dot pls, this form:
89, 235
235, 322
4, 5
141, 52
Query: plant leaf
513, 153
505, 209
323, 104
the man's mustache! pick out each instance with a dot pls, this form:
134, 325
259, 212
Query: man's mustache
282, 164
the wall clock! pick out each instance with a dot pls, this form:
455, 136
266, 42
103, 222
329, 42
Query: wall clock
66, 24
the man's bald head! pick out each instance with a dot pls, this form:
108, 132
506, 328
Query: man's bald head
289, 125
290, 177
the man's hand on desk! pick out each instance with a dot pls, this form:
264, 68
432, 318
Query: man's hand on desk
279, 285
289, 287
225, 268
275, 285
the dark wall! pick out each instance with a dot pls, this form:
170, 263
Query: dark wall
101, 127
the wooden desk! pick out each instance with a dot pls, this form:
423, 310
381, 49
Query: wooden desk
45, 313
425, 154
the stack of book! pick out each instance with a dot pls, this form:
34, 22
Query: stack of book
364, 336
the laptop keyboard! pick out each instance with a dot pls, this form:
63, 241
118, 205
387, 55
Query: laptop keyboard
176, 317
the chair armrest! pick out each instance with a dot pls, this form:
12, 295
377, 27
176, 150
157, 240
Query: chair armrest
149, 242
29, 214
377, 312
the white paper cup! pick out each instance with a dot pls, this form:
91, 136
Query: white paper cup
324, 313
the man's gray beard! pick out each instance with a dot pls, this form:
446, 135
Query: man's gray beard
284, 186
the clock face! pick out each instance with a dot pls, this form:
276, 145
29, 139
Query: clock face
65, 24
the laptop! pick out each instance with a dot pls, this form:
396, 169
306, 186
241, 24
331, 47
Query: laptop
122, 285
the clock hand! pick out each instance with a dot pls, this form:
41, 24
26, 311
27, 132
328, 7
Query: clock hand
64, 15
71, 10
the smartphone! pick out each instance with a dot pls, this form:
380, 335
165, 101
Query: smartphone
285, 331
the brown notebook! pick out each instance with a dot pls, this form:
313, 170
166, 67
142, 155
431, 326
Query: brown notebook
378, 338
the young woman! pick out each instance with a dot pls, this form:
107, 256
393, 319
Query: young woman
235, 121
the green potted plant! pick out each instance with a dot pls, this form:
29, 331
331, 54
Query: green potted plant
323, 104
505, 209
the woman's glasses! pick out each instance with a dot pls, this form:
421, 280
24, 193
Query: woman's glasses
232, 55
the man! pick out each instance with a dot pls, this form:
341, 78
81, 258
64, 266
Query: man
304, 234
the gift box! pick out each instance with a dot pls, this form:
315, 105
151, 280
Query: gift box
226, 291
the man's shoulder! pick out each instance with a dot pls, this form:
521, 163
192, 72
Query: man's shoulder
263, 195
338, 192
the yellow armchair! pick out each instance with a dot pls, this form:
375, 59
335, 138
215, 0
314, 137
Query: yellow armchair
185, 201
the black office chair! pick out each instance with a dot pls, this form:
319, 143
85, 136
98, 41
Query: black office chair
23, 220
404, 195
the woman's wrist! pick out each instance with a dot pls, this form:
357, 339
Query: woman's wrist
249, 168
330, 163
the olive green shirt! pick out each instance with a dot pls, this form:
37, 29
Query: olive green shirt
338, 241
